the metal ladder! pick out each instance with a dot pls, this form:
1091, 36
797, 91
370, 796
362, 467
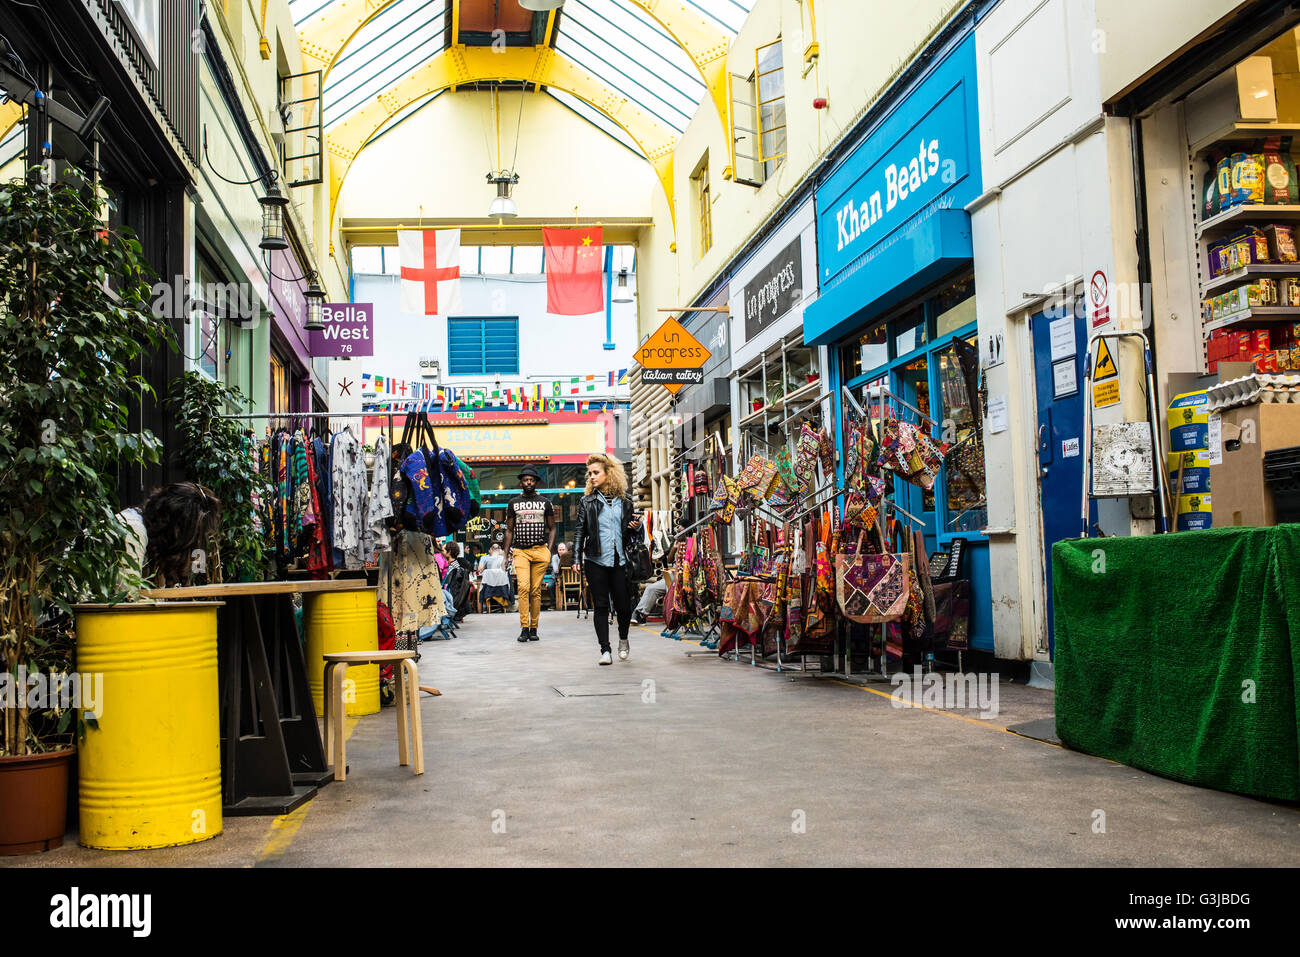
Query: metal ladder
1159, 487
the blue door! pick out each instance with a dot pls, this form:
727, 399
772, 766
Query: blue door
1058, 379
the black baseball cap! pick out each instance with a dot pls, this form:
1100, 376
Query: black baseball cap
529, 470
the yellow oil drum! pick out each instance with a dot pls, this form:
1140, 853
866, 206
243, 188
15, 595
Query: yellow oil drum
150, 764
343, 621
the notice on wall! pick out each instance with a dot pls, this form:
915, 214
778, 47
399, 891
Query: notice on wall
1062, 336
997, 414
1065, 379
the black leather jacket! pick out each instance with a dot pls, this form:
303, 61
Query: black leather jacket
588, 535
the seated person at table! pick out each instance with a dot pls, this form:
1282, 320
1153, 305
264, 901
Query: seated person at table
563, 558
655, 591
495, 580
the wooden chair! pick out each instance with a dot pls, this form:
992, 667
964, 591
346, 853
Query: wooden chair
570, 582
410, 732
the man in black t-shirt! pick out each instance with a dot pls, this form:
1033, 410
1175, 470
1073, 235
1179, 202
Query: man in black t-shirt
530, 532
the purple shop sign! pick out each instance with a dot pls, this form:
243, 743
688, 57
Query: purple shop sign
349, 331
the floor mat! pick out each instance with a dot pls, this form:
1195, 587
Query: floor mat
1044, 729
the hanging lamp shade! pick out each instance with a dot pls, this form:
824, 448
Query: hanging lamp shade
541, 5
622, 292
503, 207
315, 297
273, 204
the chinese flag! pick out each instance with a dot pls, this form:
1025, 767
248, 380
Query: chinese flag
575, 264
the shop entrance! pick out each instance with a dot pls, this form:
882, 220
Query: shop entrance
1059, 346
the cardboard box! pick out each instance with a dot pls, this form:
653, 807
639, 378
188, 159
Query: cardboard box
1241, 497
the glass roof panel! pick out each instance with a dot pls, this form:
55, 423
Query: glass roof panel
595, 118
616, 40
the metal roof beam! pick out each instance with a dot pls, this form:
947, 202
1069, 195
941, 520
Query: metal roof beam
325, 34
462, 65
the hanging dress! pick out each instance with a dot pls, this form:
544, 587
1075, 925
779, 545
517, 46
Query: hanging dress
417, 585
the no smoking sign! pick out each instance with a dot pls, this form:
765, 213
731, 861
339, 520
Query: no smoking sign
1099, 298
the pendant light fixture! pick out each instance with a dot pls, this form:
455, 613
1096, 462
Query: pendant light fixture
273, 204
541, 6
315, 297
622, 289
503, 207
622, 293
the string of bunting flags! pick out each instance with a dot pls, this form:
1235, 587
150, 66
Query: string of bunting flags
537, 397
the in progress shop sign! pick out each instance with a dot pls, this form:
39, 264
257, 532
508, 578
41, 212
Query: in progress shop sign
776, 289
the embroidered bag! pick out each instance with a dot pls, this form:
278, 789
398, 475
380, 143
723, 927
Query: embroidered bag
873, 588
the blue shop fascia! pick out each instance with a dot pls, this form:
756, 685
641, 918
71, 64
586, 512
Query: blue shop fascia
896, 300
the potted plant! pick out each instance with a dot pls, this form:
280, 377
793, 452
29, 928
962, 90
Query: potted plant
218, 454
74, 318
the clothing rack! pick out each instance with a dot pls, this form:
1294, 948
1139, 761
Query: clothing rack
292, 416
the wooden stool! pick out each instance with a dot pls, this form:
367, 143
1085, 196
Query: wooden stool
409, 729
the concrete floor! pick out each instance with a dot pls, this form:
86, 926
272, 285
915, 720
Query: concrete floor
717, 768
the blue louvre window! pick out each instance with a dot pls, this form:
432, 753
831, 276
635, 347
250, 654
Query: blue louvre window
478, 345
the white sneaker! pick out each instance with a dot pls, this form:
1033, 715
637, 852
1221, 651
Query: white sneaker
623, 650
605, 658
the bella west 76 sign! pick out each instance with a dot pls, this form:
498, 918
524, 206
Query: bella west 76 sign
349, 331
672, 357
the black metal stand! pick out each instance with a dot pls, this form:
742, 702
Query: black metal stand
272, 758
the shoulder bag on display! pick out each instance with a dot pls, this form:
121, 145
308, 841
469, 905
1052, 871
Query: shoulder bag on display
399, 486
872, 588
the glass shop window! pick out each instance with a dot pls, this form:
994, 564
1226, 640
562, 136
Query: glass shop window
869, 352
911, 331
955, 306
965, 481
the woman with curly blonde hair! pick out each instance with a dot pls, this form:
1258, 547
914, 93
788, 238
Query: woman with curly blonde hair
607, 525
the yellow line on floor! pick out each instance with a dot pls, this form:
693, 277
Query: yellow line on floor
285, 827
947, 714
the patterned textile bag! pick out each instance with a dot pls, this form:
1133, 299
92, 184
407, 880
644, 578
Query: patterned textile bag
826, 454
873, 588
805, 459
786, 492
757, 478
725, 499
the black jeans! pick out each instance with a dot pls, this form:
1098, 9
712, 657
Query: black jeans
608, 584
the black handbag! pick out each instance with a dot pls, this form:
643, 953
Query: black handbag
639, 566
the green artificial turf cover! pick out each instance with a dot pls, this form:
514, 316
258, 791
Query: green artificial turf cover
1153, 655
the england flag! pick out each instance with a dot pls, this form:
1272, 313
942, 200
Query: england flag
430, 270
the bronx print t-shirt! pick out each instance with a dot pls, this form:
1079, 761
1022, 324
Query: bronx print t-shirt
530, 515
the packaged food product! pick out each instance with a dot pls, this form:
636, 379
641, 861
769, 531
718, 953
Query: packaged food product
1215, 259
1266, 363
1281, 185
1281, 243
1252, 247
1261, 340
1210, 192
1295, 356
1224, 181
1247, 179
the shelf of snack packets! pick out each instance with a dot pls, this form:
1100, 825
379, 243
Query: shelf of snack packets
1264, 175
1276, 349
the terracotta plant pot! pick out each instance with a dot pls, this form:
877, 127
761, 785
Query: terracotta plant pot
34, 801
